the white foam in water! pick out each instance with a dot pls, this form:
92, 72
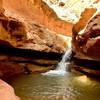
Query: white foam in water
63, 64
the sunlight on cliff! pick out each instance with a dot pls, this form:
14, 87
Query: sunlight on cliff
70, 10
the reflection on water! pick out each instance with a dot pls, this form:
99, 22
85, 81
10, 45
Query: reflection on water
68, 87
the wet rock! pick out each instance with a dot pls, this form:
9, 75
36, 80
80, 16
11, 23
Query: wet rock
29, 36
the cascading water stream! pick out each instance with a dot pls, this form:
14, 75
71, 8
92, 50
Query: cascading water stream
64, 61
62, 67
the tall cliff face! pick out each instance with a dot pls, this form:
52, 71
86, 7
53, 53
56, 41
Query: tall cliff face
86, 42
25, 24
38, 11
39, 23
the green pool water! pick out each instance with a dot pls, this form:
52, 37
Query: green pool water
72, 86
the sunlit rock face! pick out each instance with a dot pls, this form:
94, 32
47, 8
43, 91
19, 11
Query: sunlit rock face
70, 10
40, 24
21, 31
33, 36
11, 31
86, 44
39, 12
42, 39
22, 26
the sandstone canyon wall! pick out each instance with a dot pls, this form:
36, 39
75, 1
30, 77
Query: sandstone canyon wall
24, 34
6, 91
28, 24
86, 36
38, 11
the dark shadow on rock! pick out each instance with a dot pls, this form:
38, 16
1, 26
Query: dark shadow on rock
27, 53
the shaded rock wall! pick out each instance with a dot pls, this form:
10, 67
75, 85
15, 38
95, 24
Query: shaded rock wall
29, 36
32, 42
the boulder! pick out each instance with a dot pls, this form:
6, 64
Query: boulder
7, 92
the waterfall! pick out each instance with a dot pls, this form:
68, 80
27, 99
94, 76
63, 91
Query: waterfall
65, 60
62, 67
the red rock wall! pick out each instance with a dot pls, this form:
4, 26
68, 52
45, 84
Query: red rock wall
39, 12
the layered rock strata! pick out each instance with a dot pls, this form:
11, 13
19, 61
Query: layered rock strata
24, 37
86, 42
38, 11
86, 45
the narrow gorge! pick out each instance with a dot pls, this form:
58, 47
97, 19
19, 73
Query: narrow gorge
49, 49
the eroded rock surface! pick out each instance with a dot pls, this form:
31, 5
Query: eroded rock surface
28, 35
87, 43
26, 41
38, 11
